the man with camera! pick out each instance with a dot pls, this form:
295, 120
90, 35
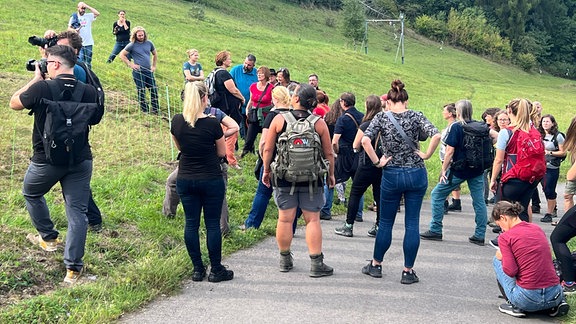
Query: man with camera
81, 22
43, 97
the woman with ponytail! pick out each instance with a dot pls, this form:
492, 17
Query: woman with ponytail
200, 184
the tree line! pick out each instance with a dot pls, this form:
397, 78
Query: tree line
536, 35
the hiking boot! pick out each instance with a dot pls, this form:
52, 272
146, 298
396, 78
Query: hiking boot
222, 275
48, 245
286, 261
95, 228
318, 268
560, 310
73, 276
456, 205
199, 274
445, 207
409, 277
569, 289
535, 209
372, 232
373, 270
546, 219
475, 240
429, 235
358, 219
511, 310
325, 216
344, 230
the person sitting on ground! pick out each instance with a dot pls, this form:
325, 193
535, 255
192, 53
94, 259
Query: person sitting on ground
523, 266
570, 146
565, 230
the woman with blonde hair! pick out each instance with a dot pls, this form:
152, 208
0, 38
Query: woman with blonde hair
515, 187
192, 69
281, 101
200, 184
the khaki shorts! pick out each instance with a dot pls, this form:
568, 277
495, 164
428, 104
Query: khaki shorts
570, 188
300, 198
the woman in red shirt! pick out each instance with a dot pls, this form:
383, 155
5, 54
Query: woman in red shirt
523, 266
258, 107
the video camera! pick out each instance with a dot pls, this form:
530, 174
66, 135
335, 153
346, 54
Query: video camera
42, 42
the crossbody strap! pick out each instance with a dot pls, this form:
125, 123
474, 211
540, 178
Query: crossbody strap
262, 95
401, 131
353, 119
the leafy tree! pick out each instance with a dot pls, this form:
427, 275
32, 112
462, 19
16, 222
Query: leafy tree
353, 27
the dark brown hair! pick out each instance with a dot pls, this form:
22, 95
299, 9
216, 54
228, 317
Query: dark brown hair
510, 209
373, 106
397, 92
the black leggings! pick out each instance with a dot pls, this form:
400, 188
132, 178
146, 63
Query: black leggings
251, 133
563, 232
520, 191
364, 177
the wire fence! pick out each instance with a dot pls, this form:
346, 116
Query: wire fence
126, 136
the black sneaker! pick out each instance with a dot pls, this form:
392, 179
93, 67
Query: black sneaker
372, 270
325, 216
373, 231
560, 310
535, 209
344, 230
497, 229
494, 243
511, 310
409, 277
359, 219
429, 235
475, 240
222, 275
95, 228
199, 274
546, 219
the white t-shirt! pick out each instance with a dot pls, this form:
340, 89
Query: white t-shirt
86, 27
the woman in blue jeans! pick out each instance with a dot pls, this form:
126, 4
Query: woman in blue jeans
523, 266
199, 184
403, 174
120, 28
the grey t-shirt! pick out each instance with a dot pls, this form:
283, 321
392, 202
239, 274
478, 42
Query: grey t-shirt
141, 52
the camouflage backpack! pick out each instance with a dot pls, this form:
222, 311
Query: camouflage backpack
299, 153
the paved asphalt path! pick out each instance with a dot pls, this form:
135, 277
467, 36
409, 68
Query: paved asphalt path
457, 283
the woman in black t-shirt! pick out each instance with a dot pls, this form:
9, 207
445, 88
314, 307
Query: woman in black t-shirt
120, 28
200, 185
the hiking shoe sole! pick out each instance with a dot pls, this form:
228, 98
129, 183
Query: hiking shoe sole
560, 310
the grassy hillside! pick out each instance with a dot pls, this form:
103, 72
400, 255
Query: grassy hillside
140, 254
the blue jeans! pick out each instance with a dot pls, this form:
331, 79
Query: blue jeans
442, 190
118, 47
86, 55
529, 300
259, 204
329, 198
397, 182
197, 196
75, 182
144, 78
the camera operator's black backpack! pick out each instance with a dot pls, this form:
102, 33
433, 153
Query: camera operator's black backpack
66, 128
92, 79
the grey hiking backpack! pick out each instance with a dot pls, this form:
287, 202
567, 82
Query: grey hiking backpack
299, 155
210, 83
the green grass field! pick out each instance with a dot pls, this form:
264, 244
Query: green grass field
140, 254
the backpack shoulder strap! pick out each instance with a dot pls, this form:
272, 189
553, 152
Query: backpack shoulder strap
313, 118
353, 119
78, 91
289, 117
55, 90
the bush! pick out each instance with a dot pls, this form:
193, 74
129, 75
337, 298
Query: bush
526, 61
431, 27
